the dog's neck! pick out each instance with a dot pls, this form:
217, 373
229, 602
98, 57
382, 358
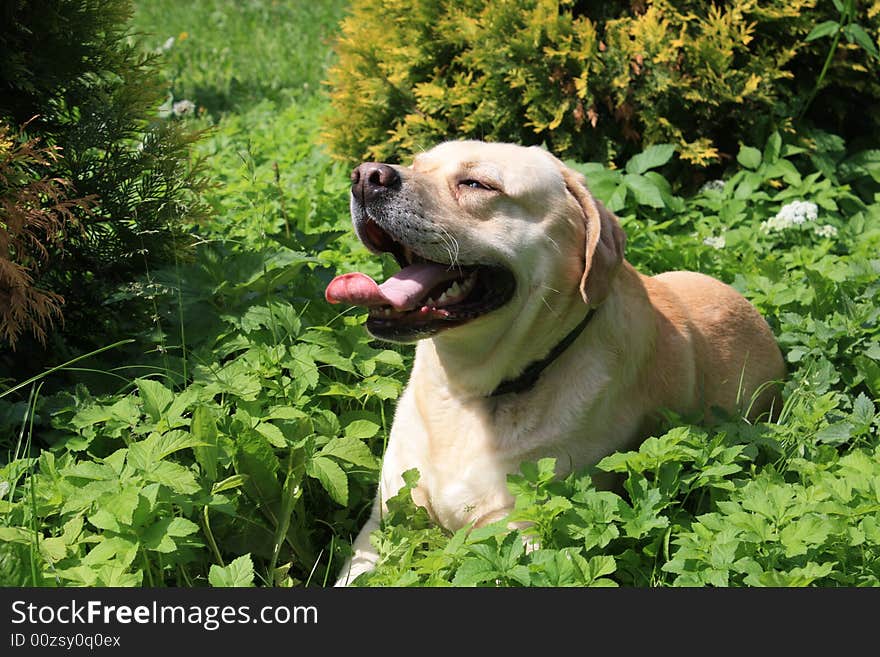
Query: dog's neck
530, 375
477, 362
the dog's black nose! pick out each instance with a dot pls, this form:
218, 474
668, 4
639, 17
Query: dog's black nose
372, 178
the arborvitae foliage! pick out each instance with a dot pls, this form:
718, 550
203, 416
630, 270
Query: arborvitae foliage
36, 213
71, 71
594, 80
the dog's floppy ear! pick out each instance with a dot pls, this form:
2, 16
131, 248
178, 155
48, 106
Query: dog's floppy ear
605, 241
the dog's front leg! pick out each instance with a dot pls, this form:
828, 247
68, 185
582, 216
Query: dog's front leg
365, 556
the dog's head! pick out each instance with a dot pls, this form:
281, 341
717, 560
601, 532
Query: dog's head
483, 232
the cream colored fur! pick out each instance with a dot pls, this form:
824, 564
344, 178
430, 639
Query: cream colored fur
680, 341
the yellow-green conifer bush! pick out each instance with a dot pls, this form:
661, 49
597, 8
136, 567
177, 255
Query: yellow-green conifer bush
593, 80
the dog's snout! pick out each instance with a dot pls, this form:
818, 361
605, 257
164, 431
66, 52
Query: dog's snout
372, 178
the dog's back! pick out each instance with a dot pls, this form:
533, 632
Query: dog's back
736, 352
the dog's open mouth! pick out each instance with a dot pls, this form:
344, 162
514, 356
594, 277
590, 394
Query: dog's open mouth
425, 296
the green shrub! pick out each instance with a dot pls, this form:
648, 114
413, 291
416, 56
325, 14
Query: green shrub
593, 80
69, 69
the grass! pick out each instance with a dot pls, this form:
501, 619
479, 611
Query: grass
237, 440
227, 55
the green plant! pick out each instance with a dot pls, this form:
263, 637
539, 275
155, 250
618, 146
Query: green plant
35, 212
846, 26
233, 437
592, 82
69, 70
226, 56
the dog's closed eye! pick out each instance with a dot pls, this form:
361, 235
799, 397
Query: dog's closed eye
475, 184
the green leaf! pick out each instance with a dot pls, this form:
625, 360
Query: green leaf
235, 481
603, 183
156, 397
822, 30
255, 459
855, 32
175, 476
53, 549
160, 536
863, 411
204, 431
749, 157
644, 191
350, 449
332, 478
473, 571
651, 158
835, 434
239, 573
123, 504
361, 429
773, 148
118, 549
800, 534
869, 369
271, 433
17, 535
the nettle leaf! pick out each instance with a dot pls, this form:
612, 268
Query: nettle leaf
351, 450
835, 434
156, 398
302, 364
239, 573
863, 412
332, 478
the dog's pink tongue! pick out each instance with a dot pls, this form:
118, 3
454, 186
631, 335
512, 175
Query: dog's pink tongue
403, 291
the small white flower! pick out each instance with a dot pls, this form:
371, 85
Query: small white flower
169, 43
793, 214
712, 186
4, 488
827, 230
182, 107
715, 242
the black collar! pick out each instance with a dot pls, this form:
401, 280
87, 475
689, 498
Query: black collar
530, 375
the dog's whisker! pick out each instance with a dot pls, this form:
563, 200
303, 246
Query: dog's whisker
451, 245
554, 243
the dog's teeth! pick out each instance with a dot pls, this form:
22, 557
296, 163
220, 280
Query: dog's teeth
431, 302
454, 290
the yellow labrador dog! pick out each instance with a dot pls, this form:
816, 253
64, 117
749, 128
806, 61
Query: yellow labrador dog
535, 336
